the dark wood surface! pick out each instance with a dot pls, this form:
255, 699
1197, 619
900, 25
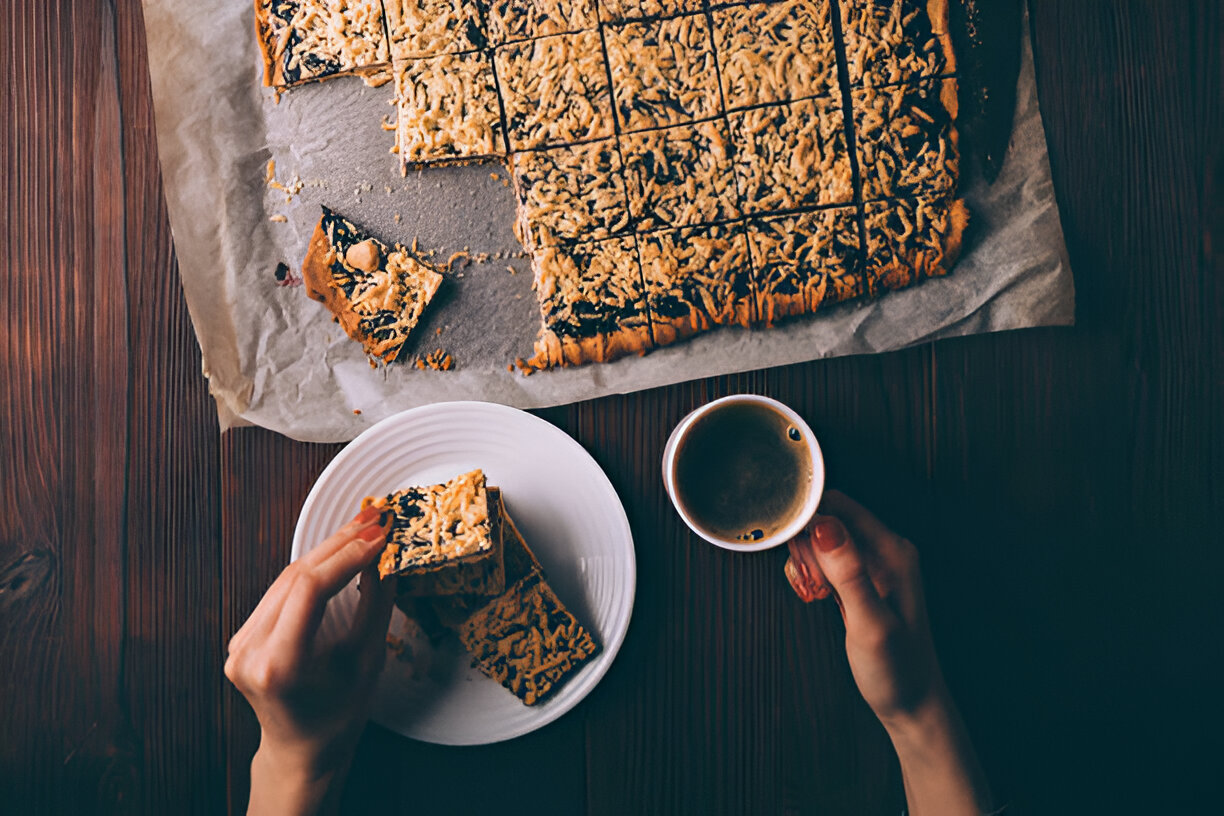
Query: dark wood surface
1064, 487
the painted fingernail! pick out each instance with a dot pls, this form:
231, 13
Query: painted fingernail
368, 514
371, 532
828, 534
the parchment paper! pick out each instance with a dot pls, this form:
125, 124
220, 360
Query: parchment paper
274, 358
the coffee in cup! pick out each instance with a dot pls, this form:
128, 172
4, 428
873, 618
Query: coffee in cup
744, 472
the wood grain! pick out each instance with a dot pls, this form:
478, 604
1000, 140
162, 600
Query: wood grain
109, 532
1064, 487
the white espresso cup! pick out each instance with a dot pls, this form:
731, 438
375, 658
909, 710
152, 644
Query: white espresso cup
814, 490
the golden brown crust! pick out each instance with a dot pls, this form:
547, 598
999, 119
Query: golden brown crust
263, 34
310, 40
697, 279
592, 303
804, 261
912, 239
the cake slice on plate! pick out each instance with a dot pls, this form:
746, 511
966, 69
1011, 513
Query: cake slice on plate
527, 640
439, 527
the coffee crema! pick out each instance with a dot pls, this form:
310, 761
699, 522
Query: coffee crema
743, 472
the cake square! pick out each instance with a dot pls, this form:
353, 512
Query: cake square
302, 40
663, 72
430, 28
912, 239
591, 302
511, 20
528, 641
437, 526
697, 278
376, 292
613, 11
906, 138
891, 41
518, 559
555, 90
805, 260
481, 578
447, 110
776, 52
571, 193
790, 156
680, 176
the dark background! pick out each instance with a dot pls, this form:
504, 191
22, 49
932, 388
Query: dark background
1063, 487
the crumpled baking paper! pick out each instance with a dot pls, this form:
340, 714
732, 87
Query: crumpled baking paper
274, 358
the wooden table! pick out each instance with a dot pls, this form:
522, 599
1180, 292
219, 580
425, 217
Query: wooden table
1064, 487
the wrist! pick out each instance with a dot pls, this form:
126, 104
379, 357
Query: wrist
295, 780
938, 764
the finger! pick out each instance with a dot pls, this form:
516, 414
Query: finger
798, 582
846, 570
263, 617
804, 573
373, 614
303, 609
342, 566
333, 543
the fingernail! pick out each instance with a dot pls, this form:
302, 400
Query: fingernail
828, 534
368, 514
821, 592
371, 532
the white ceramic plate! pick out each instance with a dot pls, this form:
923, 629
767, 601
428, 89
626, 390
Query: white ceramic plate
566, 509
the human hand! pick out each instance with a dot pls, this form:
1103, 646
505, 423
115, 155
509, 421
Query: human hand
873, 575
312, 699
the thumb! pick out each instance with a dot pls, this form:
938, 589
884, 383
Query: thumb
846, 570
373, 611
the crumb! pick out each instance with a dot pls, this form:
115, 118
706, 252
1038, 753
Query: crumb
376, 79
357, 411
270, 171
505, 182
414, 245
439, 360
511, 270
285, 277
387, 187
494, 176
278, 219
450, 262
397, 218
439, 330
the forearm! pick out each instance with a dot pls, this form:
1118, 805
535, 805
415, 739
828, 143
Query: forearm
283, 787
939, 767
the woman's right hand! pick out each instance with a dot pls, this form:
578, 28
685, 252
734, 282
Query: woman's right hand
872, 574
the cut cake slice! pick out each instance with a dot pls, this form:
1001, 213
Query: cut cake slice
481, 578
527, 640
438, 526
376, 293
304, 40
